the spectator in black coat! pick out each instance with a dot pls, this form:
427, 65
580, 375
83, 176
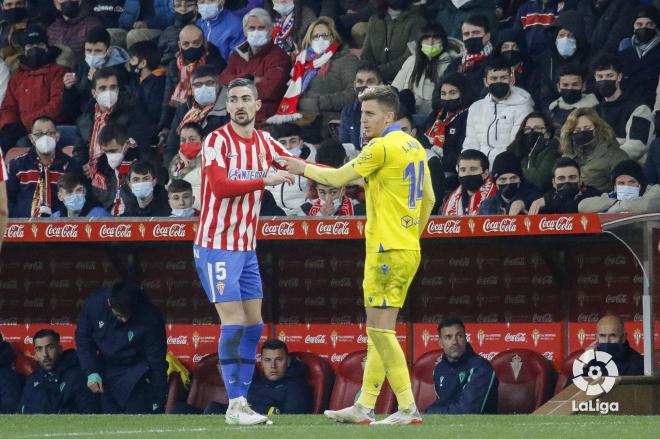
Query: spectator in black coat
283, 386
571, 87
121, 346
606, 23
512, 46
147, 197
11, 381
147, 81
350, 127
57, 385
185, 12
611, 337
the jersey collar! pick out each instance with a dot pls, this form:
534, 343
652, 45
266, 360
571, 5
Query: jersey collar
393, 127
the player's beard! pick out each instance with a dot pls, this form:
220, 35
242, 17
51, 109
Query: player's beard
245, 122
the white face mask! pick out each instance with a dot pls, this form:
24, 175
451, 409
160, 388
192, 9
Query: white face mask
183, 212
336, 203
296, 151
142, 189
107, 98
257, 38
45, 145
320, 45
284, 9
208, 11
114, 159
95, 61
204, 95
624, 192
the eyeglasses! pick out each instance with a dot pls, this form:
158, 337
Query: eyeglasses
209, 83
40, 135
321, 36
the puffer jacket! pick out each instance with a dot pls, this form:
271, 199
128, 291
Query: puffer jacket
537, 163
648, 202
71, 33
161, 16
492, 125
225, 32
597, 159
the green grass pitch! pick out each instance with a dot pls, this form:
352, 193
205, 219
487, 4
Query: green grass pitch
317, 427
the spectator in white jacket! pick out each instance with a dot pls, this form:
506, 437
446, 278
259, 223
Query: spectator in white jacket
493, 121
290, 197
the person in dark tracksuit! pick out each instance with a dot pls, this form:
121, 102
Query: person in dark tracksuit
11, 381
465, 383
128, 332
57, 385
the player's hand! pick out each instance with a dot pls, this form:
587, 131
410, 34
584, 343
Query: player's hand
517, 207
294, 166
536, 206
96, 387
69, 80
278, 177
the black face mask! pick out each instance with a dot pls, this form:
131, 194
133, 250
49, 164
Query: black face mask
508, 190
193, 54
474, 45
451, 105
606, 87
513, 57
181, 20
397, 5
645, 34
70, 9
570, 96
567, 190
134, 69
14, 15
582, 138
471, 182
614, 349
35, 58
531, 139
499, 89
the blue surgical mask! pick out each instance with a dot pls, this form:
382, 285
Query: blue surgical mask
337, 203
204, 95
95, 61
182, 213
208, 11
566, 46
143, 189
74, 202
257, 38
624, 192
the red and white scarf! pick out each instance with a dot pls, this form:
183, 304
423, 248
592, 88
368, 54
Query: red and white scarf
196, 114
121, 173
288, 109
282, 28
437, 132
183, 88
101, 117
469, 60
454, 203
345, 209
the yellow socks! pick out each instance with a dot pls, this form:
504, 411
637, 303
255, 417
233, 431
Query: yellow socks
394, 363
374, 375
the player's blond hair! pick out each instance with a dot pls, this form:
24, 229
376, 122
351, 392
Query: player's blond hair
385, 95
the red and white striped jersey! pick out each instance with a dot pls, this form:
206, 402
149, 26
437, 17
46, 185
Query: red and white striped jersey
3, 168
231, 223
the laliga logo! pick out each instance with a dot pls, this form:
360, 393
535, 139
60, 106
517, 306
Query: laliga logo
593, 362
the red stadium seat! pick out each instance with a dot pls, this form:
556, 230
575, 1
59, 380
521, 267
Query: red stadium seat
524, 377
319, 376
566, 370
422, 379
24, 364
176, 392
349, 381
207, 385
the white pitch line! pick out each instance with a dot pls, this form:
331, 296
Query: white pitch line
117, 432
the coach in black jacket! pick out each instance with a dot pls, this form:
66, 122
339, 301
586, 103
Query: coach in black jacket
10, 381
465, 383
121, 347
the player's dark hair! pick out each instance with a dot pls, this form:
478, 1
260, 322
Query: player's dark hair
573, 69
243, 82
274, 344
178, 186
450, 321
479, 21
607, 61
565, 162
474, 154
148, 51
69, 180
141, 167
46, 332
42, 119
124, 297
403, 114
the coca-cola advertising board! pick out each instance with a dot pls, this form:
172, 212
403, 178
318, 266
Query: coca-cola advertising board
583, 334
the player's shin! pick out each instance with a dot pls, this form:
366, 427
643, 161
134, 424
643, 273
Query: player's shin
230, 359
373, 377
395, 365
248, 354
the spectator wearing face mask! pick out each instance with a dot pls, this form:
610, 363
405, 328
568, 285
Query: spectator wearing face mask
534, 17
258, 57
493, 121
422, 71
475, 185
568, 190
181, 199
187, 163
32, 183
640, 55
451, 14
514, 195
332, 201
537, 150
185, 13
220, 26
71, 25
350, 127
291, 18
631, 193
147, 81
207, 107
147, 198
512, 47
629, 117
72, 192
571, 87
606, 23
13, 22
590, 141
35, 88
611, 337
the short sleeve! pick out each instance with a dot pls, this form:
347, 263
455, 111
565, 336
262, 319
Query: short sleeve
3, 169
213, 151
370, 159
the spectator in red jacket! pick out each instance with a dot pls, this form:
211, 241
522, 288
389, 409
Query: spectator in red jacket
71, 26
260, 58
35, 88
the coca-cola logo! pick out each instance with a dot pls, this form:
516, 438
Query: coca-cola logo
343, 282
487, 318
170, 231
362, 339
116, 231
69, 231
588, 280
593, 317
60, 321
317, 263
448, 227
285, 228
338, 228
315, 339
180, 340
542, 280
86, 266
15, 231
294, 282
488, 355
175, 266
180, 302
60, 284
197, 358
515, 300
432, 281
618, 298
504, 225
459, 262
35, 302
561, 224
315, 301
615, 260
519, 337
459, 300
487, 280
338, 358
514, 262
28, 340
542, 318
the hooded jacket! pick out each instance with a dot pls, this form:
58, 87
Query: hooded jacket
225, 31
524, 72
71, 32
538, 162
11, 381
386, 43
451, 18
463, 387
607, 27
290, 395
492, 125
597, 159
61, 390
648, 202
559, 109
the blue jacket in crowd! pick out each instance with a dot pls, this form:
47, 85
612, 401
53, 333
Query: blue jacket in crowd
11, 381
62, 390
128, 352
225, 32
349, 126
160, 17
466, 386
291, 395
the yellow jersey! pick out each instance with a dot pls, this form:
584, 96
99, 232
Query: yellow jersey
396, 175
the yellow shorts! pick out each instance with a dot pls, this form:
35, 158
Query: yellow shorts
387, 276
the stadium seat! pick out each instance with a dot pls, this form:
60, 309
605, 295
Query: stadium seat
176, 392
566, 371
68, 150
524, 377
422, 379
24, 364
319, 376
207, 385
348, 382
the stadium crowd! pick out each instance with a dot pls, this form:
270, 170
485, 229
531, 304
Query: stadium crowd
537, 106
